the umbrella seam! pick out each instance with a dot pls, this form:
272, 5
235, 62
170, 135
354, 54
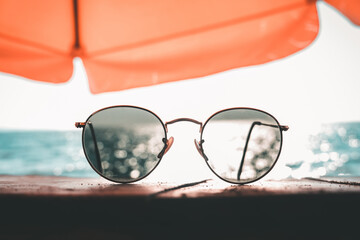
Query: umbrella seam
32, 44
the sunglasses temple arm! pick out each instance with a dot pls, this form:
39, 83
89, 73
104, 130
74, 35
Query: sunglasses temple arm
282, 128
97, 153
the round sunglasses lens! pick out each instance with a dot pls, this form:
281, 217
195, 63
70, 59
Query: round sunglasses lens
123, 143
241, 145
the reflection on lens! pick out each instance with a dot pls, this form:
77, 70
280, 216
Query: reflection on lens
241, 145
123, 143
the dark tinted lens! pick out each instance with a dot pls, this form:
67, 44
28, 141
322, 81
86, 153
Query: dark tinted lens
123, 143
241, 145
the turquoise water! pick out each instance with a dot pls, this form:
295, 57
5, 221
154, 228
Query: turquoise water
335, 151
43, 153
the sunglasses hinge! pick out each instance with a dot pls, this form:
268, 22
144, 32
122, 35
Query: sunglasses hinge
284, 128
80, 124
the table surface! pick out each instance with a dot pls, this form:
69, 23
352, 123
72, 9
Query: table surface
92, 187
83, 207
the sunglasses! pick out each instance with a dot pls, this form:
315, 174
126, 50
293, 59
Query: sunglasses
124, 144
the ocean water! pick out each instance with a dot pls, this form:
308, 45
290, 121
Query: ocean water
335, 151
56, 153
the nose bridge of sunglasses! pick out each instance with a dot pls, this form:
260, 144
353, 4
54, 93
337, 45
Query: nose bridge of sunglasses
183, 120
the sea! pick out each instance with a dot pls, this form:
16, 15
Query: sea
335, 151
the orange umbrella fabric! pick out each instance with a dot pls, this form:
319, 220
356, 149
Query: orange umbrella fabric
129, 43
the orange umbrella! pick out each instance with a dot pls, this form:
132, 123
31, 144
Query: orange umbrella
126, 44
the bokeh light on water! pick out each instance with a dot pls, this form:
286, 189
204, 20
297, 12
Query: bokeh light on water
124, 143
333, 150
124, 154
241, 144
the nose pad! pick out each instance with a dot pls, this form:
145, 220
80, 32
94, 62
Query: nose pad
199, 148
168, 144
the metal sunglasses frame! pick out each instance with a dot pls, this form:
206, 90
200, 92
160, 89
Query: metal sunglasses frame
168, 142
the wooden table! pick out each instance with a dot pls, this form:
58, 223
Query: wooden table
87, 208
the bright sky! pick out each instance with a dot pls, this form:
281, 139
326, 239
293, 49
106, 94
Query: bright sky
317, 85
